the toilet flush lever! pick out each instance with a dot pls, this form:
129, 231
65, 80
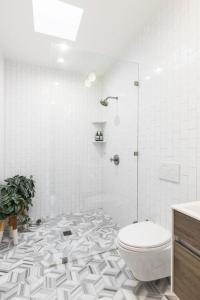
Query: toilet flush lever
115, 159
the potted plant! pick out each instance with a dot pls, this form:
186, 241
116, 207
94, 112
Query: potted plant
3, 212
8, 210
15, 199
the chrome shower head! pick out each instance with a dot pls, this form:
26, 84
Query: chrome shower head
104, 102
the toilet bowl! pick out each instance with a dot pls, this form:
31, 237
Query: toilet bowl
146, 249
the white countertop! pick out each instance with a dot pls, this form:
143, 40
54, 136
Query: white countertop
191, 209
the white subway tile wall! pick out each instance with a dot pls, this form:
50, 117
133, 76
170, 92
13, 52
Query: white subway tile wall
65, 163
49, 134
168, 50
1, 117
48, 128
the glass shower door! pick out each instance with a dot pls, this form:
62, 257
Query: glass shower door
120, 181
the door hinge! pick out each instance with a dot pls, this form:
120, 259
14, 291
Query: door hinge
136, 83
136, 153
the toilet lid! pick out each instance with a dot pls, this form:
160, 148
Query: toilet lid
144, 235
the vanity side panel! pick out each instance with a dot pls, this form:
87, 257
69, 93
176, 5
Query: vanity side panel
186, 273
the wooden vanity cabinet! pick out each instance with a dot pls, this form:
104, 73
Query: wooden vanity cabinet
186, 257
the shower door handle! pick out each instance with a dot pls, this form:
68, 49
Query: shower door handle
115, 159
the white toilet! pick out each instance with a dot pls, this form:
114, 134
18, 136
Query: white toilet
146, 249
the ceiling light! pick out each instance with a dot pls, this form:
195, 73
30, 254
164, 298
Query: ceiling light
57, 83
147, 77
60, 60
57, 18
88, 83
63, 47
92, 77
158, 70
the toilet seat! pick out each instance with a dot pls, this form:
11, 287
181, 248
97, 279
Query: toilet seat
135, 249
144, 237
146, 249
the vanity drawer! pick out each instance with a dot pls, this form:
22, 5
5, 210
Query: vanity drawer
186, 273
187, 229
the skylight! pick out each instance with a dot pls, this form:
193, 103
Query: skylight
57, 18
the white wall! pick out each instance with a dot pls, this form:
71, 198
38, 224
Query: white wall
120, 182
1, 117
168, 50
49, 135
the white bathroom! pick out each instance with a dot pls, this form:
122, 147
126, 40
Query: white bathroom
99, 149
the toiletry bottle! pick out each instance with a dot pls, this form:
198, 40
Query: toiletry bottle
101, 136
97, 137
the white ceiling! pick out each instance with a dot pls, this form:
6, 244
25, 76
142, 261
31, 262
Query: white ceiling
107, 28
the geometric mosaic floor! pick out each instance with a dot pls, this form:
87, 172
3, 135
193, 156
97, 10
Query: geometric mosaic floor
72, 257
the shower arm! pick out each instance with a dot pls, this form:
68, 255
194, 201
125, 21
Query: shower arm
104, 102
115, 98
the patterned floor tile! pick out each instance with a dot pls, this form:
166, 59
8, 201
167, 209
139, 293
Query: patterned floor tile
92, 269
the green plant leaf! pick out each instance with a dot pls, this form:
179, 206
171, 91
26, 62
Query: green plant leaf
16, 197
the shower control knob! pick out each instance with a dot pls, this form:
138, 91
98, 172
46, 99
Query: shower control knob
115, 159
